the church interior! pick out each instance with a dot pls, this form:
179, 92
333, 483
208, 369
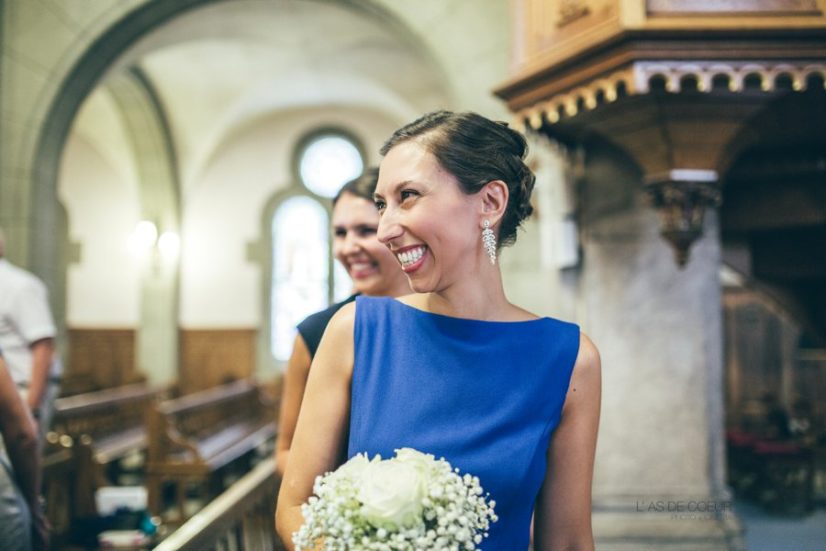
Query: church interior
166, 169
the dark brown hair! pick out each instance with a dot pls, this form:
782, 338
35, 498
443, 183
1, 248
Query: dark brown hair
363, 186
476, 150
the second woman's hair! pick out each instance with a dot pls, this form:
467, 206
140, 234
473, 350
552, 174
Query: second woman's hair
363, 186
476, 150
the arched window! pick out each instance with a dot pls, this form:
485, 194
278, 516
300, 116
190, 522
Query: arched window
304, 277
328, 161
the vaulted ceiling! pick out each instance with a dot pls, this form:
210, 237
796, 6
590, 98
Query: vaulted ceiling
221, 67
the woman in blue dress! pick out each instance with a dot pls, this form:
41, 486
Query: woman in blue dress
455, 369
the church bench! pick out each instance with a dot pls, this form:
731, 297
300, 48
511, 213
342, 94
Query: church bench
59, 468
103, 426
194, 437
240, 518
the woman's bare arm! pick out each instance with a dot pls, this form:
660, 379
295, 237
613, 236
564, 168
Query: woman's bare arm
322, 423
295, 381
563, 509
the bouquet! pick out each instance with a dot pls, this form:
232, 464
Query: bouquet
410, 502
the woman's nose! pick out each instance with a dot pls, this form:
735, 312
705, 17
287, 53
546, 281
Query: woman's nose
350, 244
389, 228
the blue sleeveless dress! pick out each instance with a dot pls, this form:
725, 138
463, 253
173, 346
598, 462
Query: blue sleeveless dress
485, 395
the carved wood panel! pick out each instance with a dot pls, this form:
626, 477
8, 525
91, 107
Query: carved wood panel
558, 28
210, 357
99, 359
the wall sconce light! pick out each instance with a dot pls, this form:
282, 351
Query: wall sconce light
144, 241
143, 237
681, 198
169, 244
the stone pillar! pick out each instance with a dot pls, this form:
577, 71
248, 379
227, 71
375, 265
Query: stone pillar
157, 333
659, 478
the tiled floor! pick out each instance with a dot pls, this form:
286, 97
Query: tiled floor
765, 532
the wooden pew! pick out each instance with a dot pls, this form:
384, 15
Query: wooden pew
59, 475
239, 518
104, 426
194, 437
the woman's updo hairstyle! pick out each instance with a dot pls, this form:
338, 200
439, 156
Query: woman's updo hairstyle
363, 186
476, 150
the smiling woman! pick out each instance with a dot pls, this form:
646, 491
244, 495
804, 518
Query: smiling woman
372, 268
456, 370
368, 262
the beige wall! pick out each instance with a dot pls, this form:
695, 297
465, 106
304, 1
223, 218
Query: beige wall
99, 189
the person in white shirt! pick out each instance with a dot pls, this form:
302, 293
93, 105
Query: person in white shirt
27, 338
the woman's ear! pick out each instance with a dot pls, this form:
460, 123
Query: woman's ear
494, 197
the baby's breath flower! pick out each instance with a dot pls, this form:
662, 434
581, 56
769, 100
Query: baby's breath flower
433, 507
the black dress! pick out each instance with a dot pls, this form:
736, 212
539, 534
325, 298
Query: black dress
313, 326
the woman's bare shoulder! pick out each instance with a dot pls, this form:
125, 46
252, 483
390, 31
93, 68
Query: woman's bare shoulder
341, 325
586, 379
346, 312
588, 356
334, 358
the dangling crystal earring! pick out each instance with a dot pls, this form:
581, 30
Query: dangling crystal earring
489, 242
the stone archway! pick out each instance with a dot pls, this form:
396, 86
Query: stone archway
104, 48
45, 251
75, 76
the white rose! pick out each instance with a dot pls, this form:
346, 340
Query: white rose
391, 493
353, 469
421, 461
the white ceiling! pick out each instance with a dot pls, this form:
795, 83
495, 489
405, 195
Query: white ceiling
222, 66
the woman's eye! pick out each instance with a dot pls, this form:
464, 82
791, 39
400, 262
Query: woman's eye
380, 205
406, 193
340, 232
367, 231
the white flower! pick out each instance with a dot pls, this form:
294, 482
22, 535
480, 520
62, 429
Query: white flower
391, 493
421, 461
353, 469
412, 502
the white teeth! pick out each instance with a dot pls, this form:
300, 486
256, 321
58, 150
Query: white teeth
410, 256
